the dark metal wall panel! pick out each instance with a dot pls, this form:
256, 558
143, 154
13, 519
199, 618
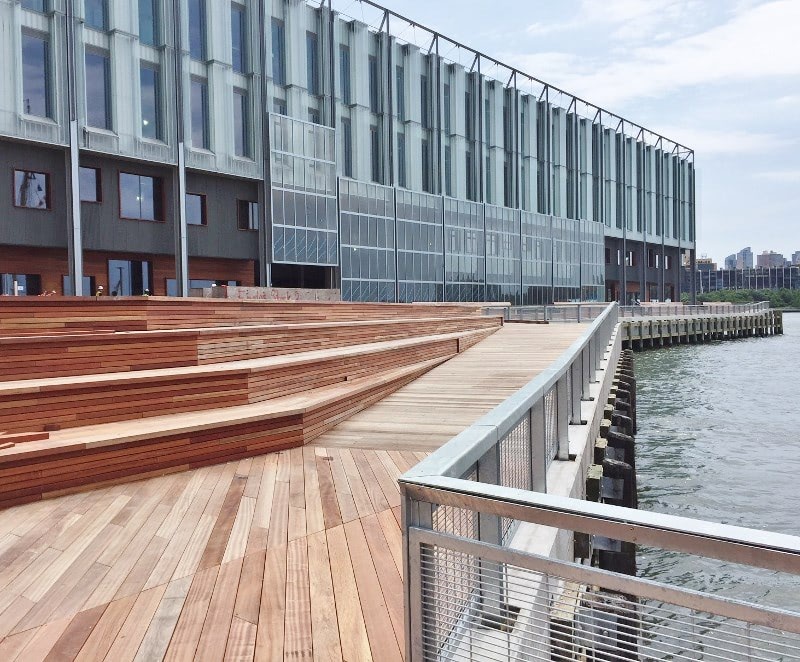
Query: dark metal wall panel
104, 230
221, 236
33, 227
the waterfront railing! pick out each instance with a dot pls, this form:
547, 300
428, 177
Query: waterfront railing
480, 585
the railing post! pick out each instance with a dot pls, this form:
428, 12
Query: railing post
562, 418
414, 513
539, 459
576, 377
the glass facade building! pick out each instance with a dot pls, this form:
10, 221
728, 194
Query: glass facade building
394, 163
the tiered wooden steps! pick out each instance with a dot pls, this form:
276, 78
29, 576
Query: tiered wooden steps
107, 406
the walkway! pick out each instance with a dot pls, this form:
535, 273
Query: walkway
292, 555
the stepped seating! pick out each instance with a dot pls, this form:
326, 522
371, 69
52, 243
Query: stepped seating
107, 403
86, 353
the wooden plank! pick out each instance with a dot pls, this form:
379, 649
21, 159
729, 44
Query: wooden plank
241, 645
74, 637
214, 637
105, 630
186, 635
271, 634
136, 625
298, 643
324, 626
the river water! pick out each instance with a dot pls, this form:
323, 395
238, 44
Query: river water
719, 439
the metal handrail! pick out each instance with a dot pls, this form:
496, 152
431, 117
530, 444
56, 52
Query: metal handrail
680, 310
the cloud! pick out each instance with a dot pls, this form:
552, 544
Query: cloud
780, 176
758, 42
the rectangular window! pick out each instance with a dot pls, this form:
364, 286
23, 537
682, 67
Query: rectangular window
344, 73
313, 115
278, 52
468, 122
374, 100
31, 189
25, 284
98, 90
248, 215
347, 147
279, 106
88, 286
197, 29
312, 63
238, 37
151, 101
241, 123
375, 153
401, 160
425, 113
400, 76
446, 110
487, 120
426, 165
448, 171
89, 184
148, 22
36, 75
35, 5
199, 105
96, 14
127, 278
140, 197
195, 209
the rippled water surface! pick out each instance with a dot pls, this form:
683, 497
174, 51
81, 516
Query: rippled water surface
719, 439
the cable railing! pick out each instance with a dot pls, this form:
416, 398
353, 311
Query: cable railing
477, 590
671, 310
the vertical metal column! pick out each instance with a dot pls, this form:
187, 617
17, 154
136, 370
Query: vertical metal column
179, 203
265, 221
623, 210
389, 113
74, 236
479, 134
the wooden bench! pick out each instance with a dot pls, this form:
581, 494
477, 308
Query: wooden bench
71, 460
35, 357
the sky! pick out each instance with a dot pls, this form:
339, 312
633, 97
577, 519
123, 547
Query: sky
719, 76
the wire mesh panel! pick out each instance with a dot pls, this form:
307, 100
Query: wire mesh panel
551, 424
482, 609
515, 466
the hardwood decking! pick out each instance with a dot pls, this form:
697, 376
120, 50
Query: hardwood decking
290, 555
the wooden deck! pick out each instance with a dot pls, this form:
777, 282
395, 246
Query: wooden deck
292, 555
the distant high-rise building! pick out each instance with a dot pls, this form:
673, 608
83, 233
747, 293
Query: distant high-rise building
796, 257
744, 258
770, 259
730, 262
705, 264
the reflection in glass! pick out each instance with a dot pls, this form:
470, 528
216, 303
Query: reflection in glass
89, 180
151, 98
35, 74
278, 53
31, 189
238, 38
197, 29
195, 209
140, 197
98, 97
96, 14
129, 277
35, 5
240, 123
148, 22
199, 107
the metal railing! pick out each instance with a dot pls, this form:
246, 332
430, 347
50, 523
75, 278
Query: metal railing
668, 310
474, 591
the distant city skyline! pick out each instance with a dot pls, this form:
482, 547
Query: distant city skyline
787, 254
719, 77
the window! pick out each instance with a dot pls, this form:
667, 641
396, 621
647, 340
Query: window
88, 285
151, 101
238, 37
425, 116
446, 103
25, 284
98, 90
96, 14
401, 160
196, 209
279, 106
630, 259
313, 115
129, 277
241, 121
248, 215
140, 197
375, 153
278, 52
426, 165
36, 75
373, 84
89, 184
608, 256
197, 29
400, 83
35, 5
199, 105
148, 22
31, 189
448, 171
312, 63
344, 72
347, 147
667, 262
